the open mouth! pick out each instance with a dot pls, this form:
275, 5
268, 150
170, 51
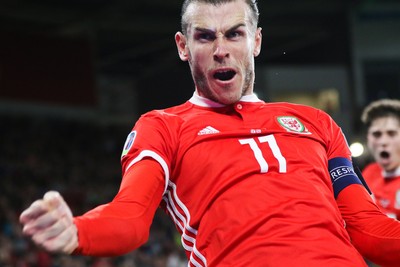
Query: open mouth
384, 154
224, 75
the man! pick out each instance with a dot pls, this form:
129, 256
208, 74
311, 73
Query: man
382, 120
247, 183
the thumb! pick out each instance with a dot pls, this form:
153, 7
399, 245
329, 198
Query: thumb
53, 199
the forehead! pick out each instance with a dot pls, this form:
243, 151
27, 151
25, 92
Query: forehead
222, 16
385, 124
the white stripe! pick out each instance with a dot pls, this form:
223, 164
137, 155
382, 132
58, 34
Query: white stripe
186, 222
178, 223
171, 212
155, 156
195, 263
183, 207
174, 210
184, 235
198, 254
183, 219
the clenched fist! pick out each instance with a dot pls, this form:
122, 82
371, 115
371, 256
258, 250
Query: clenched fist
49, 223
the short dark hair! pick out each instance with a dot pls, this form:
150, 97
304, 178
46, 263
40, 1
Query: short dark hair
380, 109
251, 3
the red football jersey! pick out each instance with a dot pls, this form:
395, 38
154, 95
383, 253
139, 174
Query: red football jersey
248, 185
385, 188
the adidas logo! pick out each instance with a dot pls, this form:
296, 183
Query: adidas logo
208, 130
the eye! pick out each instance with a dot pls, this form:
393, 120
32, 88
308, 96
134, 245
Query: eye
392, 133
205, 36
376, 134
234, 34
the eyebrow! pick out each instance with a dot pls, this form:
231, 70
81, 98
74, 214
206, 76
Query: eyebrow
200, 29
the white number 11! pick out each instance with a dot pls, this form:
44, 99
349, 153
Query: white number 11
270, 139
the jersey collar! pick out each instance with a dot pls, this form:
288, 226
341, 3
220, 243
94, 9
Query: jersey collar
392, 174
205, 102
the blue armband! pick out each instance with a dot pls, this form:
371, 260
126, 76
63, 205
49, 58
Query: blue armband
342, 174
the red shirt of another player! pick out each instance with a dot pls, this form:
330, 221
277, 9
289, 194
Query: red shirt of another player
385, 188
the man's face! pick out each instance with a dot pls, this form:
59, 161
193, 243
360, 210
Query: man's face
220, 46
384, 142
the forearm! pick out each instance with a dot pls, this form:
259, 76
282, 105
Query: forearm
108, 235
123, 224
375, 235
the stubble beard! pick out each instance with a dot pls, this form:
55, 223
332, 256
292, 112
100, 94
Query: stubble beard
203, 86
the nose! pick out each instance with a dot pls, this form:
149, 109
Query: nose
383, 140
220, 49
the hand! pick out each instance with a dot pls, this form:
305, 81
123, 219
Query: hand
49, 223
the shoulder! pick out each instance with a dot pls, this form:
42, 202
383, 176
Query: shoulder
293, 107
372, 171
307, 114
170, 113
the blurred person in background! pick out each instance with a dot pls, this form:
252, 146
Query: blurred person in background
382, 121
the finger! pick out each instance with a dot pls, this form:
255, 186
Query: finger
51, 231
66, 241
50, 201
43, 222
55, 201
35, 210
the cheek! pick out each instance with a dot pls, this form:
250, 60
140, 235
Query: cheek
396, 144
244, 61
248, 59
242, 51
371, 143
199, 60
393, 143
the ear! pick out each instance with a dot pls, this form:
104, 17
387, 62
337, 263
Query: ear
180, 40
257, 42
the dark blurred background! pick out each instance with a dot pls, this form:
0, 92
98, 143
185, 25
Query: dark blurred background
75, 76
